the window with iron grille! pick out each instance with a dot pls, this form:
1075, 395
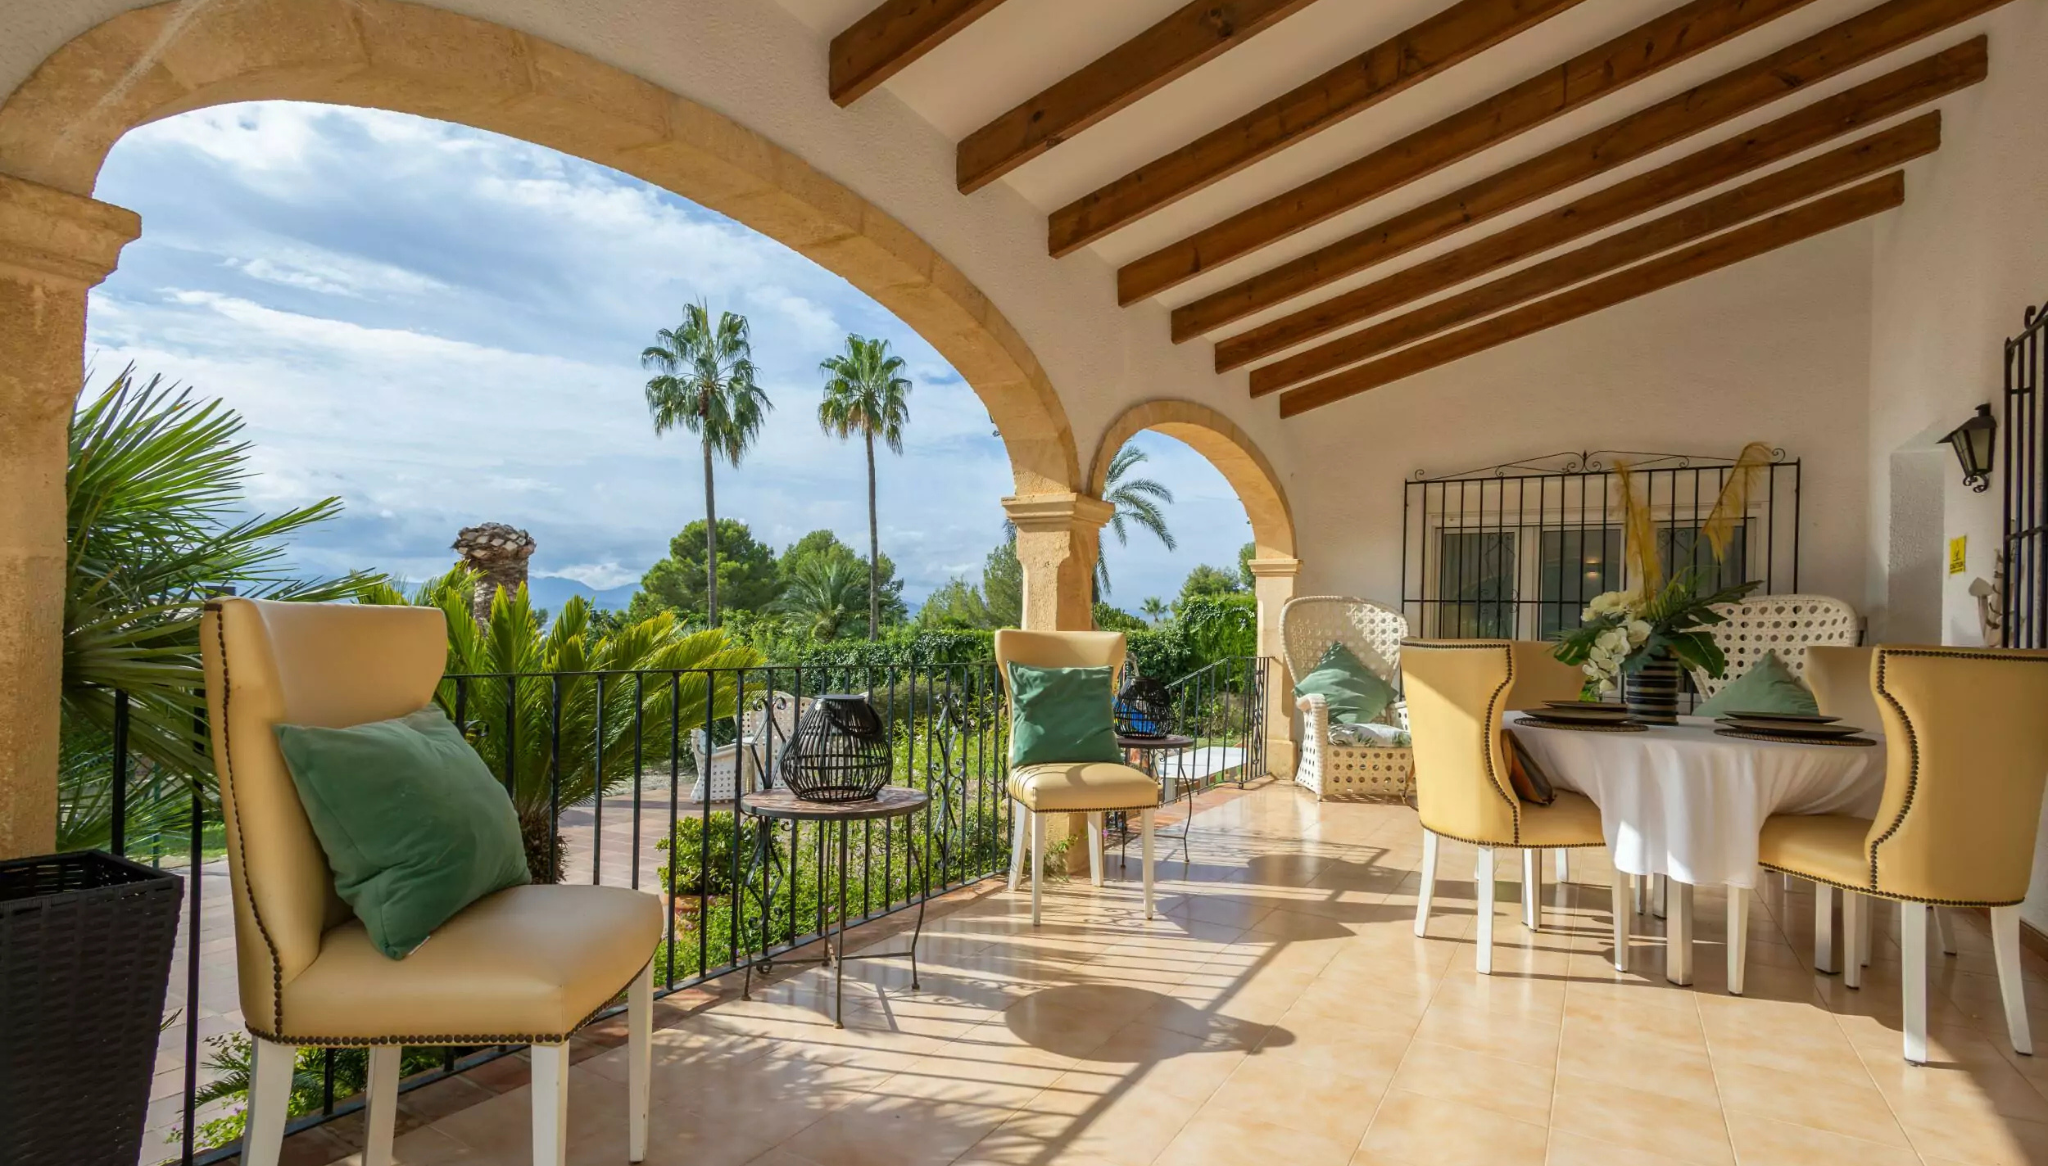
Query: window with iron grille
1515, 550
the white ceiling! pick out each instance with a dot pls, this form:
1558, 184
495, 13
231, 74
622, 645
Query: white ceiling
1025, 45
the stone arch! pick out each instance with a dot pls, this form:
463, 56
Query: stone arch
1229, 448
151, 63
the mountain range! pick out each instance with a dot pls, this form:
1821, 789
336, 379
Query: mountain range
552, 591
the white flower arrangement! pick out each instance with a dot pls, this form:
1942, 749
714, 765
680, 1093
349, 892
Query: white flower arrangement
1625, 632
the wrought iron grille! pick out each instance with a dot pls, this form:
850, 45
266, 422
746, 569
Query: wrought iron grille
1515, 550
2024, 618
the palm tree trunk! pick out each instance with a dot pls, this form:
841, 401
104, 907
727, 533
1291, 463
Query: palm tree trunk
874, 551
710, 541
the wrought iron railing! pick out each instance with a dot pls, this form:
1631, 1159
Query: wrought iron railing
673, 781
1516, 550
1223, 707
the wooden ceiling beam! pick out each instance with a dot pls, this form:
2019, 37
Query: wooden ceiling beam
1855, 41
1644, 51
879, 45
1773, 192
1455, 34
1832, 117
1766, 235
1177, 45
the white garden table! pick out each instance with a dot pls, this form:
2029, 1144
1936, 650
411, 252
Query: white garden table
1688, 803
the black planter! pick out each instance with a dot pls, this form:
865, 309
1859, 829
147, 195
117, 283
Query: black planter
1651, 692
85, 956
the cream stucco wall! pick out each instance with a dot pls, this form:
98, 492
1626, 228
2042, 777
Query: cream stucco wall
1775, 350
1952, 273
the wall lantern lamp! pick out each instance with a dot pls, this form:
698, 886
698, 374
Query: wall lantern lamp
1973, 441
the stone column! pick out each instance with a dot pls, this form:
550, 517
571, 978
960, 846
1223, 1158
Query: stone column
54, 246
1056, 545
1273, 584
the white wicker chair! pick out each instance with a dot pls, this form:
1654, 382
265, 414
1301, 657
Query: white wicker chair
1785, 624
1373, 632
765, 732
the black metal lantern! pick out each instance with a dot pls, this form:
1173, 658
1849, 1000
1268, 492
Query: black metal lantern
839, 753
1974, 440
1144, 709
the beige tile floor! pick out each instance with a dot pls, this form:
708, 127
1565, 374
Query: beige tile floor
1280, 1012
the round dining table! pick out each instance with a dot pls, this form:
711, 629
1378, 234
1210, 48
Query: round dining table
1688, 802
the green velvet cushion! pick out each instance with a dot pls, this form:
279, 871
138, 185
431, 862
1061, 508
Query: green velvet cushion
1061, 714
414, 825
1356, 694
1768, 687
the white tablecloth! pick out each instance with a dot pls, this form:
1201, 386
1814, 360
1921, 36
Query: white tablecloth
1686, 802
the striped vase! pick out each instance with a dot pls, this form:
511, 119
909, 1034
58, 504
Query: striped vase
1651, 692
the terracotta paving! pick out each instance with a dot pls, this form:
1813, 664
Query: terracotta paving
1281, 1011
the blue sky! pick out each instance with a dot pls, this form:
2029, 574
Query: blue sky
442, 326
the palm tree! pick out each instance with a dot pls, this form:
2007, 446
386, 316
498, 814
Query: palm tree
867, 393
1137, 500
825, 591
706, 385
1155, 609
157, 521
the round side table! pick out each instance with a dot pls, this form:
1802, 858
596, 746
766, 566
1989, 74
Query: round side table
1148, 748
774, 805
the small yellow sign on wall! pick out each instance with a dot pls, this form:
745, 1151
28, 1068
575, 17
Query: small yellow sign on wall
1958, 551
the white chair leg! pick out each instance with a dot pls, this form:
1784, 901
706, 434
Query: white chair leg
1946, 928
550, 1104
640, 1066
1621, 883
1865, 917
1145, 832
1913, 987
1824, 929
1564, 866
1532, 889
1427, 891
1095, 847
2005, 942
1017, 832
1854, 907
270, 1090
380, 1104
1641, 883
1037, 862
1738, 937
1660, 896
1483, 955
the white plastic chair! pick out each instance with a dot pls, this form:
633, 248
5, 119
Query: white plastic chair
765, 731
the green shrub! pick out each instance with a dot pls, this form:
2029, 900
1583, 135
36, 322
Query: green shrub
231, 1058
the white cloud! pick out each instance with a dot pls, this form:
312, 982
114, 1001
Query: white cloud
336, 275
442, 326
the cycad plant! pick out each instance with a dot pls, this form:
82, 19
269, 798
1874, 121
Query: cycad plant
704, 383
866, 393
554, 711
157, 524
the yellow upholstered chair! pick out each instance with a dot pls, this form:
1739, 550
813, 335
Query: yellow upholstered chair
1966, 757
526, 965
1457, 690
1093, 788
